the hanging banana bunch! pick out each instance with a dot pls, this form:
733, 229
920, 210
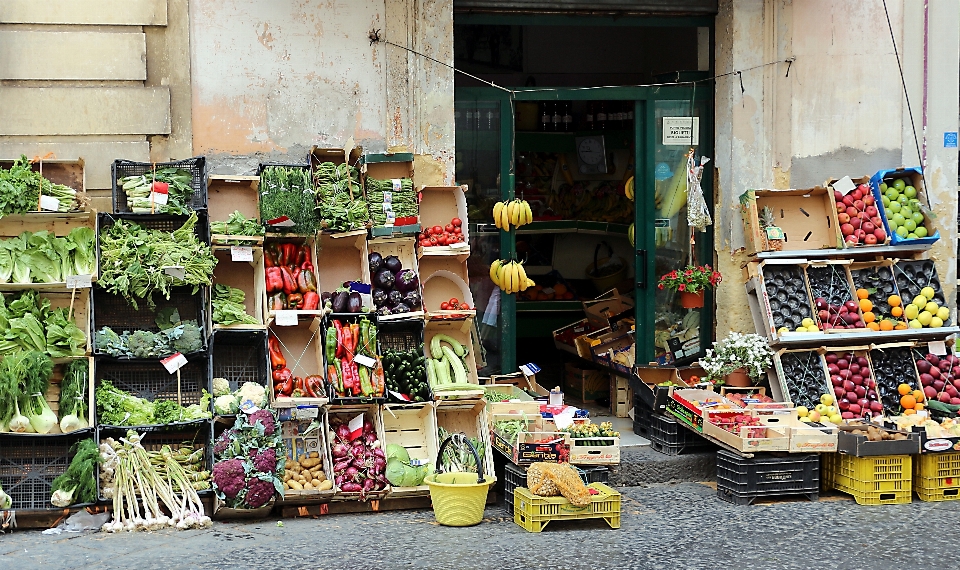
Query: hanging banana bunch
514, 213
510, 276
629, 189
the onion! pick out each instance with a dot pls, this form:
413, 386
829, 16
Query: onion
379, 464
368, 485
340, 450
341, 466
369, 438
367, 427
377, 452
343, 431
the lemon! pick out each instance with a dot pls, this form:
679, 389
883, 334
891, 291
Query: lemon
805, 419
931, 308
943, 314
801, 329
808, 322
911, 311
920, 300
915, 324
928, 292
782, 330
924, 318
802, 411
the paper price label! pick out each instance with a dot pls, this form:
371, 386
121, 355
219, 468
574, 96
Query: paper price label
396, 184
281, 222
159, 197
391, 218
241, 253
286, 318
364, 360
460, 245
400, 396
937, 347
49, 203
304, 413
845, 185
174, 362
388, 197
175, 271
387, 207
79, 281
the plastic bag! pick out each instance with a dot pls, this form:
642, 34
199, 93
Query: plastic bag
698, 214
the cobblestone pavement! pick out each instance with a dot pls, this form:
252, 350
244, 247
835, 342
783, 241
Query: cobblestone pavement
663, 526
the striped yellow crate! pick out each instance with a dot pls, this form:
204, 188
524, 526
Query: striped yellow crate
873, 480
936, 476
533, 512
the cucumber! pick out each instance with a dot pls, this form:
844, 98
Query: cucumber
440, 337
456, 387
443, 371
459, 372
431, 373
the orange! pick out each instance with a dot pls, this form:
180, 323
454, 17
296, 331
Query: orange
886, 325
866, 305
900, 327
862, 293
873, 326
918, 395
903, 389
908, 402
893, 300
560, 288
918, 408
909, 412
896, 311
868, 316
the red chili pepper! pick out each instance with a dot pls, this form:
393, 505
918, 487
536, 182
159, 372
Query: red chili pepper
311, 301
306, 265
348, 343
341, 349
334, 378
276, 355
289, 283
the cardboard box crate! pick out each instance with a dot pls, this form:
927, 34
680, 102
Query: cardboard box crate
227, 194
438, 206
606, 307
249, 277
297, 443
584, 384
621, 396
808, 218
302, 347
594, 450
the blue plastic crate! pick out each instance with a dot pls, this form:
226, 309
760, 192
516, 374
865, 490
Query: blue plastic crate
915, 174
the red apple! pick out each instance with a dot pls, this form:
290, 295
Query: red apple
856, 222
843, 218
930, 392
852, 212
848, 201
854, 409
869, 200
837, 195
859, 205
868, 227
876, 407
870, 239
871, 211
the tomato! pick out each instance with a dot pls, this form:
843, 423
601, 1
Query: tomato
442, 240
456, 222
437, 230
444, 307
448, 228
433, 240
465, 307
457, 230
425, 243
454, 301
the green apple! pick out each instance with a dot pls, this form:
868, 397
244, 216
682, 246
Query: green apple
911, 311
924, 317
910, 225
883, 186
902, 232
808, 322
910, 192
928, 293
915, 324
836, 419
936, 322
921, 300
886, 201
899, 184
894, 206
931, 307
902, 199
805, 419
782, 330
912, 235
898, 220
921, 232
821, 409
892, 194
917, 217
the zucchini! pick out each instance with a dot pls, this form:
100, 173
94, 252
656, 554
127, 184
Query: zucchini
443, 370
456, 387
431, 374
440, 337
459, 372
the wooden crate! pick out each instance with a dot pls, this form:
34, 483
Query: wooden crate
405, 248
302, 347
70, 173
584, 384
441, 279
297, 442
585, 451
227, 194
460, 330
438, 206
341, 258
621, 396
269, 315
56, 223
347, 413
470, 419
413, 426
246, 276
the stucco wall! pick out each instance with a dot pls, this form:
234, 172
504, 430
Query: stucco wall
841, 111
270, 79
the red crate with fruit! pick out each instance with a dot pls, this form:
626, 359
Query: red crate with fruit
854, 385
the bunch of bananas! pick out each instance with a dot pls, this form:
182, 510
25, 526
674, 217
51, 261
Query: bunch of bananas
510, 276
629, 189
514, 213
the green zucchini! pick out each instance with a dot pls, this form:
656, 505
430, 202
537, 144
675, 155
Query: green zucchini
459, 372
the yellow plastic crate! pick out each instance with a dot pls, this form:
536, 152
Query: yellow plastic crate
874, 473
936, 477
533, 512
877, 497
827, 466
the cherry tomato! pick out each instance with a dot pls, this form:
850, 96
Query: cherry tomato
425, 243
448, 228
444, 307
456, 222
454, 301
442, 240
437, 230
433, 240
457, 230
465, 307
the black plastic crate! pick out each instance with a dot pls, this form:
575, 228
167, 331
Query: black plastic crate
641, 416
161, 222
670, 438
742, 480
150, 380
400, 335
196, 165
331, 393
30, 463
240, 356
117, 313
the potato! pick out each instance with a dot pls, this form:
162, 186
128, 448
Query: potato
313, 455
287, 477
308, 487
326, 485
316, 483
295, 485
289, 464
308, 463
302, 480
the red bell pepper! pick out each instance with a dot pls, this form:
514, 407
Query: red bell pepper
277, 302
277, 361
311, 301
289, 256
348, 341
274, 280
289, 283
303, 254
306, 265
294, 301
341, 348
306, 281
270, 254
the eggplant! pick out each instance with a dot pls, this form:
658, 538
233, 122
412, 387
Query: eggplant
394, 297
412, 299
384, 279
401, 308
354, 302
384, 311
340, 301
324, 297
407, 280
379, 297
392, 262
376, 262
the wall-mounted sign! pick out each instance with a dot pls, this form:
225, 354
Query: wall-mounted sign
677, 131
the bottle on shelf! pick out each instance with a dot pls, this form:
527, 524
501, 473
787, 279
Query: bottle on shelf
601, 119
469, 122
568, 116
557, 117
546, 117
588, 123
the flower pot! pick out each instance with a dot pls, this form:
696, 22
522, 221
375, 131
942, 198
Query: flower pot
738, 379
691, 300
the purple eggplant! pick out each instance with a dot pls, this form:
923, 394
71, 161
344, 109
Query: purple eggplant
340, 298
376, 262
392, 262
354, 302
412, 298
379, 297
401, 308
384, 279
394, 297
407, 280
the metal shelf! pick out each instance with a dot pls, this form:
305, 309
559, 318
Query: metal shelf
853, 252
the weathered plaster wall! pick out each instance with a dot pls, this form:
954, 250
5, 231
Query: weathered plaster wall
272, 79
840, 111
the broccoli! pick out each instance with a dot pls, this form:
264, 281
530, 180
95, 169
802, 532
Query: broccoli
142, 344
259, 492
191, 339
108, 342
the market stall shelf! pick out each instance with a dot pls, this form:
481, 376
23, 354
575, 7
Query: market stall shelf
297, 350
239, 357
444, 208
116, 313
248, 277
229, 194
309, 470
34, 231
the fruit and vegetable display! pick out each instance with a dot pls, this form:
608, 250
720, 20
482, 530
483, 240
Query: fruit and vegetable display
401, 470
118, 408
306, 474
287, 191
340, 205
343, 342
803, 377
903, 209
228, 307
881, 290
285, 384
27, 322
249, 468
446, 364
442, 235
853, 384
514, 213
831, 293
405, 372
939, 380
42, 257
745, 399
395, 290
359, 461
175, 335
152, 490
558, 292
227, 402
135, 261
893, 367
946, 428
343, 300
510, 276
237, 225
787, 294
24, 381
78, 484
392, 200
21, 187
859, 217
145, 192
290, 280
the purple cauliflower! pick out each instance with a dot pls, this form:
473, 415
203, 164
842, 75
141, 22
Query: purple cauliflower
259, 492
228, 477
223, 442
265, 460
264, 417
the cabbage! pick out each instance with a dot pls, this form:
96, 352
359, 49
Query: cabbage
395, 451
396, 472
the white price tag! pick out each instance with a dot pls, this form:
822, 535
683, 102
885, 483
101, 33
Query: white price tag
391, 218
79, 281
387, 207
175, 271
396, 184
241, 253
364, 360
460, 245
248, 407
286, 318
845, 185
49, 203
174, 362
937, 347
388, 197
159, 197
304, 413
563, 421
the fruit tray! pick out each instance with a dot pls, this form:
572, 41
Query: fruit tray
893, 366
833, 297
787, 298
919, 285
878, 280
802, 376
853, 383
893, 186
859, 216
851, 442
695, 407
939, 375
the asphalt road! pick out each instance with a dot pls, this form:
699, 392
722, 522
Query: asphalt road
663, 526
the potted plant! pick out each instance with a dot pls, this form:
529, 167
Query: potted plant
691, 282
737, 360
